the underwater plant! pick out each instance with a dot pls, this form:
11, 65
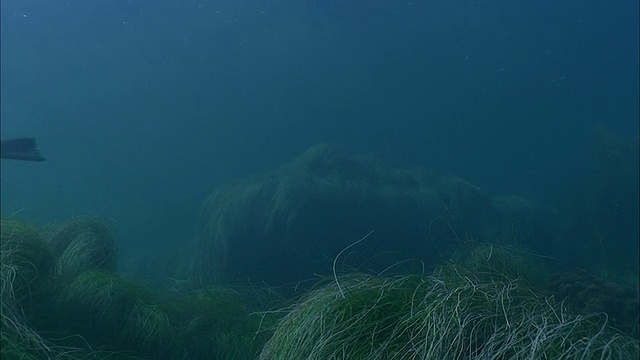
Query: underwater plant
286, 226
118, 314
58, 308
25, 263
28, 285
586, 294
416, 317
81, 244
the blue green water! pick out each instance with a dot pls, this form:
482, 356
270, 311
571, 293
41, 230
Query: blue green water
142, 107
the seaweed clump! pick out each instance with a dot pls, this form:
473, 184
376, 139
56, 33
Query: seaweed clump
62, 299
438, 317
122, 316
80, 244
287, 225
26, 263
587, 294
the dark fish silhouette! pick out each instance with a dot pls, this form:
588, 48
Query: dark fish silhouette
20, 149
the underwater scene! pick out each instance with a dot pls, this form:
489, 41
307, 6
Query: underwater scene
319, 179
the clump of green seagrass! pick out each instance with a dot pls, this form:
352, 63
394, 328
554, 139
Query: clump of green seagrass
489, 263
26, 260
414, 317
271, 227
115, 313
82, 244
216, 323
26, 264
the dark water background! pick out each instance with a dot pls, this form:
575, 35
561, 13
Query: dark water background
142, 107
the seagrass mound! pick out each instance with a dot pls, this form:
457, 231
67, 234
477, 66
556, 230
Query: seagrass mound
288, 225
119, 314
439, 317
26, 262
81, 244
586, 294
26, 265
61, 299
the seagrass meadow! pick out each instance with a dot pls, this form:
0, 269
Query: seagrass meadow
63, 299
487, 304
327, 257
485, 307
